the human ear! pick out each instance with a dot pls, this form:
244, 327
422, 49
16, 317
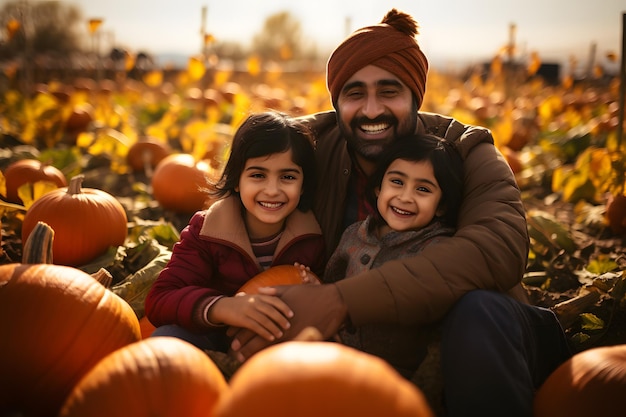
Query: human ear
377, 191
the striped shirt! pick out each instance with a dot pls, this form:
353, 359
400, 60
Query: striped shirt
265, 248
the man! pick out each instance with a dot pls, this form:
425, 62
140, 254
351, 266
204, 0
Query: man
496, 349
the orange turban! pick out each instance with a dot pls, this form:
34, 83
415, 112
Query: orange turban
390, 45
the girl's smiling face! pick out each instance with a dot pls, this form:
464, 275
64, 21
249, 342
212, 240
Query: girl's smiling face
270, 188
409, 195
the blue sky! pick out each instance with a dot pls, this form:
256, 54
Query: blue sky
450, 30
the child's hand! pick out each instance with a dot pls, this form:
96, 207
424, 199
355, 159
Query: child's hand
307, 276
266, 315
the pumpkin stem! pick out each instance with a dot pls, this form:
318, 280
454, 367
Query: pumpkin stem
38, 246
309, 334
104, 277
75, 184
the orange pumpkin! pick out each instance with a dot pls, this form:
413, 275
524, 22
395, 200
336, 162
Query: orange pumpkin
312, 379
146, 153
146, 327
179, 183
276, 275
159, 376
29, 171
591, 383
86, 222
79, 118
57, 322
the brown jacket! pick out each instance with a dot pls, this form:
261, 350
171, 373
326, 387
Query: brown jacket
488, 251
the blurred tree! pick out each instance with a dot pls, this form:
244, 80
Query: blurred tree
50, 28
280, 39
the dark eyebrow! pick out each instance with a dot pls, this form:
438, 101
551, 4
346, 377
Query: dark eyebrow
259, 168
255, 168
403, 175
353, 84
296, 170
380, 83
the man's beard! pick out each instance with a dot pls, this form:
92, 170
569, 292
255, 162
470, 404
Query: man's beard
370, 149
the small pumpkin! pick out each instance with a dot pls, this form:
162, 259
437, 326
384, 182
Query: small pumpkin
167, 377
316, 378
86, 222
79, 118
590, 383
29, 171
57, 322
179, 183
145, 154
276, 275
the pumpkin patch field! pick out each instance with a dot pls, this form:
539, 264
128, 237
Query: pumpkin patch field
102, 175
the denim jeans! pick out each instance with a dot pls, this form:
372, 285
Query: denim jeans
495, 353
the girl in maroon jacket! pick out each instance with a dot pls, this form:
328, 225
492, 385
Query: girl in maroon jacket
261, 219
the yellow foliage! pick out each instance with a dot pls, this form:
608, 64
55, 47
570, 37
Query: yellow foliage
196, 68
534, 64
598, 71
31, 192
496, 66
3, 185
84, 139
13, 26
254, 65
568, 81
129, 61
114, 144
153, 78
502, 130
222, 77
274, 72
94, 24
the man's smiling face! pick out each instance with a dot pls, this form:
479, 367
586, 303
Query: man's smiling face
374, 109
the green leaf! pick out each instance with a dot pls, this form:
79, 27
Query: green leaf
601, 265
580, 338
134, 288
591, 322
544, 228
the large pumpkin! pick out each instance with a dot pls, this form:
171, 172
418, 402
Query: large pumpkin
276, 275
591, 383
56, 323
313, 379
86, 222
158, 376
29, 171
180, 183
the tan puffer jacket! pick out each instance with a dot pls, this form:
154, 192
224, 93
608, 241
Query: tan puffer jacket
489, 250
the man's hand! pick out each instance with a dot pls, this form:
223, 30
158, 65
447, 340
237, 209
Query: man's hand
318, 306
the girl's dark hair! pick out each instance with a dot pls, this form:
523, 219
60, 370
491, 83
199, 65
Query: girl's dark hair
447, 166
264, 134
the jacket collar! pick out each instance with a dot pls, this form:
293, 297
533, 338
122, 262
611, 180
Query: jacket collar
224, 222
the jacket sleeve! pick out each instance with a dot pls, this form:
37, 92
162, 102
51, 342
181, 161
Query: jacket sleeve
185, 281
488, 251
